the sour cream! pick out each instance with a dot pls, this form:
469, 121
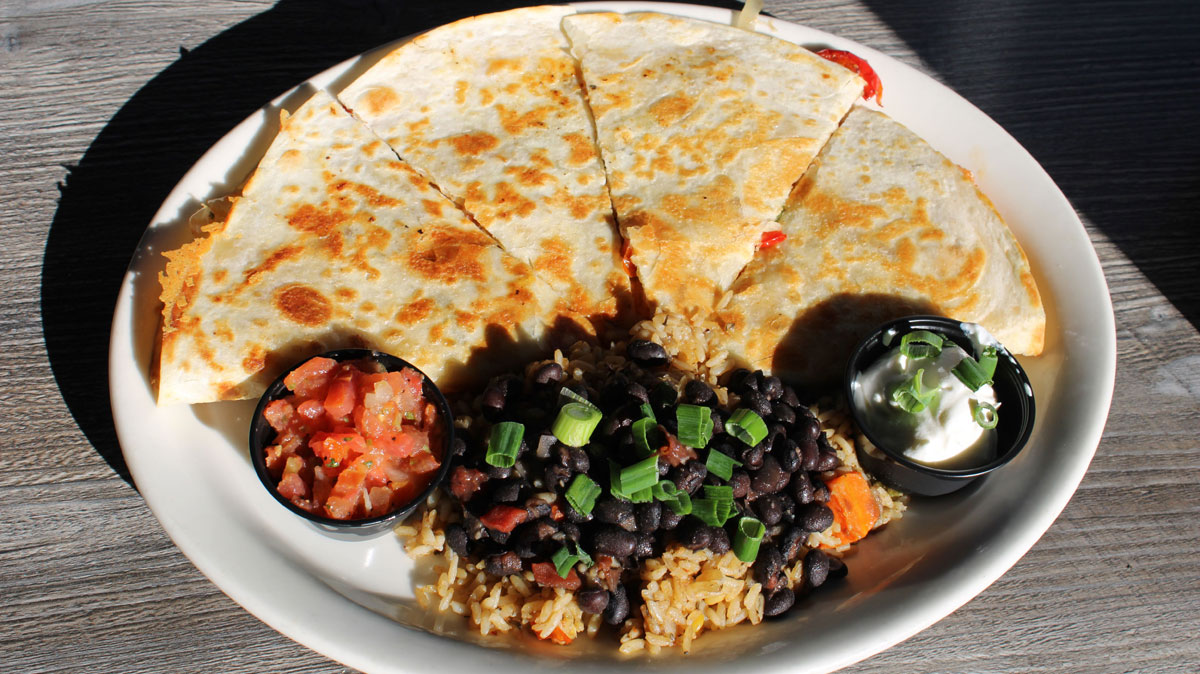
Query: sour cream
944, 434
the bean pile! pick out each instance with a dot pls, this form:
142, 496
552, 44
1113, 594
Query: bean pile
516, 518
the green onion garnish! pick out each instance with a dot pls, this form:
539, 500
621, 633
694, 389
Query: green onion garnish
695, 425
580, 553
639, 476
673, 497
985, 414
912, 397
582, 493
921, 344
646, 437
716, 507
504, 443
976, 373
641, 496
746, 426
566, 395
720, 464
575, 423
750, 532
563, 561
648, 411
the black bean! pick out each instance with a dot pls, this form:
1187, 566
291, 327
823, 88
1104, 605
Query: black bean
757, 403
697, 392
548, 373
664, 468
806, 428
718, 542
810, 456
580, 463
752, 457
669, 520
545, 528
616, 512
816, 568
768, 568
802, 487
837, 569
611, 424
503, 564
740, 481
474, 528
779, 602
556, 477
740, 378
647, 354
614, 542
768, 479
649, 515
663, 396
769, 510
459, 446
789, 397
829, 461
695, 535
820, 492
498, 536
689, 476
814, 517
618, 607
537, 508
787, 454
493, 401
505, 491
495, 472
772, 387
575, 516
791, 543
592, 601
456, 538
637, 392
646, 542
569, 531
718, 417
783, 413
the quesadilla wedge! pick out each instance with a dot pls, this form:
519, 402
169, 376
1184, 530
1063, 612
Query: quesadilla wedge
491, 110
335, 242
704, 129
880, 226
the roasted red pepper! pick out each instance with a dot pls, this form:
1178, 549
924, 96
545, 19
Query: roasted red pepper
546, 575
772, 239
503, 518
873, 88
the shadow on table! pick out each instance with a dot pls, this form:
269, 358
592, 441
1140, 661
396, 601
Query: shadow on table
1114, 127
109, 198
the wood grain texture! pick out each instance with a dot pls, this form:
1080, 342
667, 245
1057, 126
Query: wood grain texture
104, 105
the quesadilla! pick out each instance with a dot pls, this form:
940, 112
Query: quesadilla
491, 110
704, 129
333, 243
880, 226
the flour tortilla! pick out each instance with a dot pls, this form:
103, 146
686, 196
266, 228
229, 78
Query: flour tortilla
880, 226
336, 243
491, 110
704, 129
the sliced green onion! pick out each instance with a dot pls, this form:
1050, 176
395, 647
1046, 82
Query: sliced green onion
921, 344
639, 476
648, 411
566, 395
504, 443
977, 373
716, 507
563, 561
985, 414
695, 425
580, 553
641, 496
746, 426
575, 423
673, 497
746, 539
582, 493
646, 437
721, 492
720, 464
912, 397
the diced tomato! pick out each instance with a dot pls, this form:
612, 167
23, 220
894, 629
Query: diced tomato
556, 513
345, 496
546, 575
559, 637
311, 378
311, 409
464, 482
338, 446
292, 487
674, 452
422, 463
323, 481
341, 398
857, 64
279, 413
503, 518
772, 239
401, 444
408, 387
381, 501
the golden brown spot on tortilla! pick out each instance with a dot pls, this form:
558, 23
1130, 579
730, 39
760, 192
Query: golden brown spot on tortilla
418, 126
486, 96
220, 275
302, 304
466, 321
473, 143
528, 176
582, 149
516, 123
460, 92
379, 99
345, 294
509, 202
371, 147
667, 111
415, 311
447, 255
372, 196
310, 219
436, 332
496, 65
432, 207
555, 260
228, 391
367, 307
256, 360
276, 258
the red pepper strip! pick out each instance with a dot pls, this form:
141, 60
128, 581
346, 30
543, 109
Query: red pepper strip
546, 575
627, 259
504, 518
772, 239
873, 88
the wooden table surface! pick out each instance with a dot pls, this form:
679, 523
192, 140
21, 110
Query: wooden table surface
105, 103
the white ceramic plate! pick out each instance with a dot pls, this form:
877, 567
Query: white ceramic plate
352, 599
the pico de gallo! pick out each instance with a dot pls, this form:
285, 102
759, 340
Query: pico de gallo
353, 441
